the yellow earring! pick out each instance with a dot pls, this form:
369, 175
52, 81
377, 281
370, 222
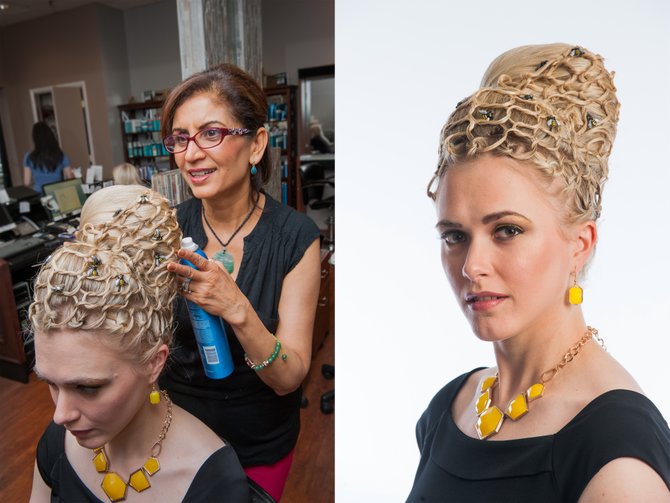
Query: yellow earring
575, 293
154, 396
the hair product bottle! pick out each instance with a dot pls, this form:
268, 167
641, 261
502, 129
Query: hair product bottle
209, 331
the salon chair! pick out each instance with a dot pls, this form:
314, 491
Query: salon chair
315, 196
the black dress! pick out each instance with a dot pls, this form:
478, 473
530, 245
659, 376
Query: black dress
456, 467
261, 426
220, 478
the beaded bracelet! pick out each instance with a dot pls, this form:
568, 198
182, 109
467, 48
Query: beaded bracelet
267, 362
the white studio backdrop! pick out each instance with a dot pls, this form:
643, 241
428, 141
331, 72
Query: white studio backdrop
401, 68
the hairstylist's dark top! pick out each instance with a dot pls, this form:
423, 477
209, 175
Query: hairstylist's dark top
261, 426
220, 478
456, 467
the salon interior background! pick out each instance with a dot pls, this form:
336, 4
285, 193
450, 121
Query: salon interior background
121, 52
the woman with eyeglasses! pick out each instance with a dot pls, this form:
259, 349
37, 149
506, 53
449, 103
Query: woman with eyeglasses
262, 277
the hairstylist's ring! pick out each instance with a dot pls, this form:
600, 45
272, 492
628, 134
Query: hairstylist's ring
185, 286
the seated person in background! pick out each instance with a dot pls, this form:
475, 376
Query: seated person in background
126, 174
47, 163
318, 140
102, 320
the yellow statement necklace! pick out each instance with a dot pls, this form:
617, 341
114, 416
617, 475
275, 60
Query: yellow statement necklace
113, 485
490, 418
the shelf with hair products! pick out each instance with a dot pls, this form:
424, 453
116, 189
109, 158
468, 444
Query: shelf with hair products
140, 131
283, 138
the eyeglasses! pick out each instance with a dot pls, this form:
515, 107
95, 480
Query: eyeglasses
205, 138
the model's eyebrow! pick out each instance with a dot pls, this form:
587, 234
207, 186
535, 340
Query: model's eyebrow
76, 381
448, 223
502, 214
492, 217
200, 126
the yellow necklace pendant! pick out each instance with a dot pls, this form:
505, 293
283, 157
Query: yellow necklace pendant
490, 418
114, 486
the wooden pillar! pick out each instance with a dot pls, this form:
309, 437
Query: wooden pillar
220, 31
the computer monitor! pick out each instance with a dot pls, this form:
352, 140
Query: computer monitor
6, 222
63, 199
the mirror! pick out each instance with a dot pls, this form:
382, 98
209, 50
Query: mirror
317, 148
317, 98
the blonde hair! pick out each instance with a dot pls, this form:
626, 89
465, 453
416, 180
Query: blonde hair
113, 278
126, 174
552, 105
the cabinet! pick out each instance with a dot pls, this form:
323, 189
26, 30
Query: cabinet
140, 130
12, 356
282, 129
324, 322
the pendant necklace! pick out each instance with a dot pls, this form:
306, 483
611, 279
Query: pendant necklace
112, 483
223, 256
490, 418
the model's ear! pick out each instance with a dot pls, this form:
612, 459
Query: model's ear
258, 146
584, 238
157, 363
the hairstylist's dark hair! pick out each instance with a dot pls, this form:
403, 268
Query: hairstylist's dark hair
237, 90
47, 154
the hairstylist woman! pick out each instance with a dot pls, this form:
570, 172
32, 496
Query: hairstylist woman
213, 127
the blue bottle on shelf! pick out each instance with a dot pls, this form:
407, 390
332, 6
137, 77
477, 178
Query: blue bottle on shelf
209, 331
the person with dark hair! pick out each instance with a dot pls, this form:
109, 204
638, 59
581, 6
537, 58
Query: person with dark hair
262, 279
47, 163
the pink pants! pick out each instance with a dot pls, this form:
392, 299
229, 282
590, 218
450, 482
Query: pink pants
273, 477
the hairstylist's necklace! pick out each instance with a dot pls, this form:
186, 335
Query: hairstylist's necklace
113, 485
223, 256
490, 418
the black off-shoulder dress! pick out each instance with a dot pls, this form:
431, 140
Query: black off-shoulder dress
220, 478
456, 467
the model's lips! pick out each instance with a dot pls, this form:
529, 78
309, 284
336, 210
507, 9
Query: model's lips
80, 433
482, 301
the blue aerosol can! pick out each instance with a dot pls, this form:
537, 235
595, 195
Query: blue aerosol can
209, 331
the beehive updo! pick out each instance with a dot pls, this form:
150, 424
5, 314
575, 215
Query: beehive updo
554, 106
113, 278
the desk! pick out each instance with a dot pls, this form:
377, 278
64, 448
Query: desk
13, 318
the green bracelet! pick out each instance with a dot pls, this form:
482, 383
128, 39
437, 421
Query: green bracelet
267, 362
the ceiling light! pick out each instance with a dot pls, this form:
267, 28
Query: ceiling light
4, 6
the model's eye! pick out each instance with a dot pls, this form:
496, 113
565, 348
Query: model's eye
453, 237
88, 390
505, 232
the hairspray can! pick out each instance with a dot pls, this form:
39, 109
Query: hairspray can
209, 331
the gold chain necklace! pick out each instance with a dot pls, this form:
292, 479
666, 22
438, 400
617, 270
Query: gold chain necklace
490, 418
113, 485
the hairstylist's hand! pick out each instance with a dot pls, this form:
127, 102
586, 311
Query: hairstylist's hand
210, 286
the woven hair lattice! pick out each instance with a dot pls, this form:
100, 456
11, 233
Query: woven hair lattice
560, 115
113, 277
